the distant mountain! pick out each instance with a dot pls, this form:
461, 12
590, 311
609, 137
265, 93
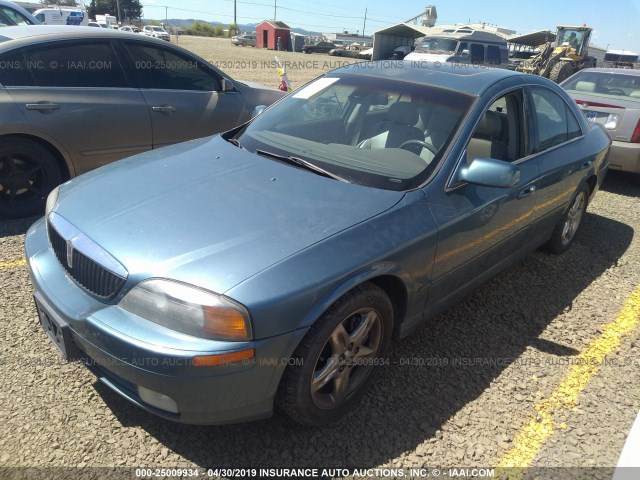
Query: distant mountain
244, 27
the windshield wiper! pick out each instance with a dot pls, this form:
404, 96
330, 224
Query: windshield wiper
299, 162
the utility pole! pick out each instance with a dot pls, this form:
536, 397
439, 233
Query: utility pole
166, 15
275, 8
235, 21
118, 7
365, 20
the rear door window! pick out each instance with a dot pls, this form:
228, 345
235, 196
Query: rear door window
556, 122
64, 64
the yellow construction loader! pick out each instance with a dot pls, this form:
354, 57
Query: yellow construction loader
560, 59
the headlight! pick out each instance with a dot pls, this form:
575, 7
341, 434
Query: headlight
189, 310
51, 200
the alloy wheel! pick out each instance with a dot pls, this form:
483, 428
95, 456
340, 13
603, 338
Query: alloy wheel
346, 358
574, 217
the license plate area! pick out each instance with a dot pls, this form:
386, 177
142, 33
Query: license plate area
595, 117
58, 332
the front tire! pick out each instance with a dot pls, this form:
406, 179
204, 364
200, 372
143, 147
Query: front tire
28, 172
338, 357
566, 229
561, 71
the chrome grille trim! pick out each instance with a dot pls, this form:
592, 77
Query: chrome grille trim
86, 262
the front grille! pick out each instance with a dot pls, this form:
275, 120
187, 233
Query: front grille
87, 273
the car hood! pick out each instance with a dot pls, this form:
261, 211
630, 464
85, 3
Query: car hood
209, 213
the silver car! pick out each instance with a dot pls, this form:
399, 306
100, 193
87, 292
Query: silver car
244, 40
611, 97
74, 99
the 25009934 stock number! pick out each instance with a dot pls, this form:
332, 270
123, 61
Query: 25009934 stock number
166, 472
165, 65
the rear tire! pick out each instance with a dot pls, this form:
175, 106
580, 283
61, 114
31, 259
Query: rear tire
566, 229
338, 357
28, 172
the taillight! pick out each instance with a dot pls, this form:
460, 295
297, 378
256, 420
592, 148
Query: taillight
586, 104
635, 138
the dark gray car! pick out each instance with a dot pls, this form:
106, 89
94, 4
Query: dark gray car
74, 99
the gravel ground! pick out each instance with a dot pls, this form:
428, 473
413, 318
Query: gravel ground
257, 65
456, 393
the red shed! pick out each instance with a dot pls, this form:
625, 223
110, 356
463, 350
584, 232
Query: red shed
269, 31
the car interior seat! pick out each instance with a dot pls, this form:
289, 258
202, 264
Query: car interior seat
439, 122
584, 86
486, 140
397, 128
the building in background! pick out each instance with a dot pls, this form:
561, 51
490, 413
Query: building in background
270, 33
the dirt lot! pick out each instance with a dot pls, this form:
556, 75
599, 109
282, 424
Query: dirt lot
458, 393
257, 65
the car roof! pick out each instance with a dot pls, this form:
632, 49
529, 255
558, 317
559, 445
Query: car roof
469, 79
38, 33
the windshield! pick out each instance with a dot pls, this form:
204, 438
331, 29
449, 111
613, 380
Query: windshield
370, 131
437, 45
604, 83
157, 29
10, 17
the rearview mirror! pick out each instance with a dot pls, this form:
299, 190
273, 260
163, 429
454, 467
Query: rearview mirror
490, 172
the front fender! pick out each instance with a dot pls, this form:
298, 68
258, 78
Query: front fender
366, 274
293, 293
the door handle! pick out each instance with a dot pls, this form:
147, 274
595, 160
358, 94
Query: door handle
42, 107
164, 108
527, 191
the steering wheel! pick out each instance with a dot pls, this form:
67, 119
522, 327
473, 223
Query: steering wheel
422, 143
616, 91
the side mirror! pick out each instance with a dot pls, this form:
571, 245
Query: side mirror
227, 85
465, 53
490, 172
257, 110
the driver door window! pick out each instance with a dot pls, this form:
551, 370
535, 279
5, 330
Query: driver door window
500, 133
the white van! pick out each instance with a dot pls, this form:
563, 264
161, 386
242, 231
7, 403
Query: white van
62, 16
107, 21
464, 46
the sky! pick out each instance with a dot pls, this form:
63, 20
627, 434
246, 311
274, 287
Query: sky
616, 24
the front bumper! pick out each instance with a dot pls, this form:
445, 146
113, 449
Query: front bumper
625, 156
125, 351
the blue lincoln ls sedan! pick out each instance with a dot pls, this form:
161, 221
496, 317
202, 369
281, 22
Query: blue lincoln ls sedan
272, 265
